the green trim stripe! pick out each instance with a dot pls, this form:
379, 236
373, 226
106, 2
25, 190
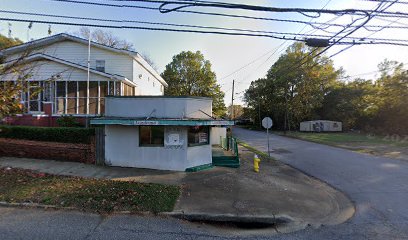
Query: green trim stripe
172, 122
200, 168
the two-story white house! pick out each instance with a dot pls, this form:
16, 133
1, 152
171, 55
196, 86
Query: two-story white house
60, 82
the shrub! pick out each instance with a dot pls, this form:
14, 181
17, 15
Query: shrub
48, 134
68, 121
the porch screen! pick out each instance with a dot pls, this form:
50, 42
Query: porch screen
151, 136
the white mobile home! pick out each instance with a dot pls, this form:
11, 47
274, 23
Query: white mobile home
320, 126
167, 133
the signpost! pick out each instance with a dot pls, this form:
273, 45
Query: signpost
267, 123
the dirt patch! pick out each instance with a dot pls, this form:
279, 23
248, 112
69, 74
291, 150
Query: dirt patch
397, 152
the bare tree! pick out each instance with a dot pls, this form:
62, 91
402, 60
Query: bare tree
108, 39
150, 61
104, 37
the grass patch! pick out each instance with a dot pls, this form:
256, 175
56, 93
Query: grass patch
102, 196
261, 154
336, 139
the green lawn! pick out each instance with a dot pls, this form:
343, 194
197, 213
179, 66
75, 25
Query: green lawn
19, 186
261, 154
344, 138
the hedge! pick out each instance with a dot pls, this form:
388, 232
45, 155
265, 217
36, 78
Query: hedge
48, 134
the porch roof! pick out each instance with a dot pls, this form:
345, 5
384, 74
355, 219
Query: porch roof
160, 122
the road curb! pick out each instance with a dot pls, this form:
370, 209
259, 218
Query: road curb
54, 207
342, 219
270, 219
277, 220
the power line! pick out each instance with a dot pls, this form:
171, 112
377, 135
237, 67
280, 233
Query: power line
346, 48
248, 64
300, 62
384, 41
366, 73
304, 11
312, 24
183, 25
311, 53
327, 3
147, 28
386, 1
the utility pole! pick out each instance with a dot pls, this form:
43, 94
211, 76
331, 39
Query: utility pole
9, 30
88, 77
259, 111
232, 101
286, 113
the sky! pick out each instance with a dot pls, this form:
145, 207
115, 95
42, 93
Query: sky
227, 54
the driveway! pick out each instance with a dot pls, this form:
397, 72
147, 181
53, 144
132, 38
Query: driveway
378, 186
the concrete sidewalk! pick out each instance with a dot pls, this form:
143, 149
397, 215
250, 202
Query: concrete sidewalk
93, 171
278, 193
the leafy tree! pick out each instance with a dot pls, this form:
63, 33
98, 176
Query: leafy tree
190, 74
6, 42
392, 99
11, 90
293, 88
378, 106
351, 103
238, 111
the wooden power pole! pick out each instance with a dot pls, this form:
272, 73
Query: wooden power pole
232, 101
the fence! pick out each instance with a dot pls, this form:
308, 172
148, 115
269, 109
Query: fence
229, 144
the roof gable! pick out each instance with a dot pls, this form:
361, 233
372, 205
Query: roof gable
67, 37
41, 56
59, 38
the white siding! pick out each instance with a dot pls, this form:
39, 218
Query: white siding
115, 63
216, 133
199, 155
146, 82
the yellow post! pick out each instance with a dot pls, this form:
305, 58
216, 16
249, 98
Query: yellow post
256, 163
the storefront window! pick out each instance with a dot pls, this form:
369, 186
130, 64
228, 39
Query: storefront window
151, 136
198, 135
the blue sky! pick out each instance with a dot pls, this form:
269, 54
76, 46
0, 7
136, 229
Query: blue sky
226, 53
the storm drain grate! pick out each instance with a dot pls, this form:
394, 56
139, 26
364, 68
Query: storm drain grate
236, 224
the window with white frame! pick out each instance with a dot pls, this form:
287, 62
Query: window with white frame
100, 65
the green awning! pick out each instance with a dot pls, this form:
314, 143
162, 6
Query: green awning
161, 122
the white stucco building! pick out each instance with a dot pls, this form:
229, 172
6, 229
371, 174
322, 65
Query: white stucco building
167, 133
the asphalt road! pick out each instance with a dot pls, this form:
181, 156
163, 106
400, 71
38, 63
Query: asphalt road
377, 186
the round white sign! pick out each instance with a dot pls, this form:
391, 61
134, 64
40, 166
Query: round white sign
267, 122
